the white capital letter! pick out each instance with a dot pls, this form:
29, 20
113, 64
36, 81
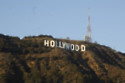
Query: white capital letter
83, 48
52, 43
72, 46
63, 44
46, 43
77, 47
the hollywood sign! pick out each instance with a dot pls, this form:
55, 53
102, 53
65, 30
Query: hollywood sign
64, 45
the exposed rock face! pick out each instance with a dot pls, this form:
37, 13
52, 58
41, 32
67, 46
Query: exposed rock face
29, 61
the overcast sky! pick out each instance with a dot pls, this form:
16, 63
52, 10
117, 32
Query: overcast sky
65, 18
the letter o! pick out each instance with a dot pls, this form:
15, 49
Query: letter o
77, 47
52, 43
72, 46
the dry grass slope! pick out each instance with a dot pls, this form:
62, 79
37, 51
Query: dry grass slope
28, 61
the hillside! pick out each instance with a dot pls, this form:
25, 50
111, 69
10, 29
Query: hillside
27, 60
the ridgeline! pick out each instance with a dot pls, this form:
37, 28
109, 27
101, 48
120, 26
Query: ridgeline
27, 60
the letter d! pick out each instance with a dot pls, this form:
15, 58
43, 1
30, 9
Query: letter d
83, 48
